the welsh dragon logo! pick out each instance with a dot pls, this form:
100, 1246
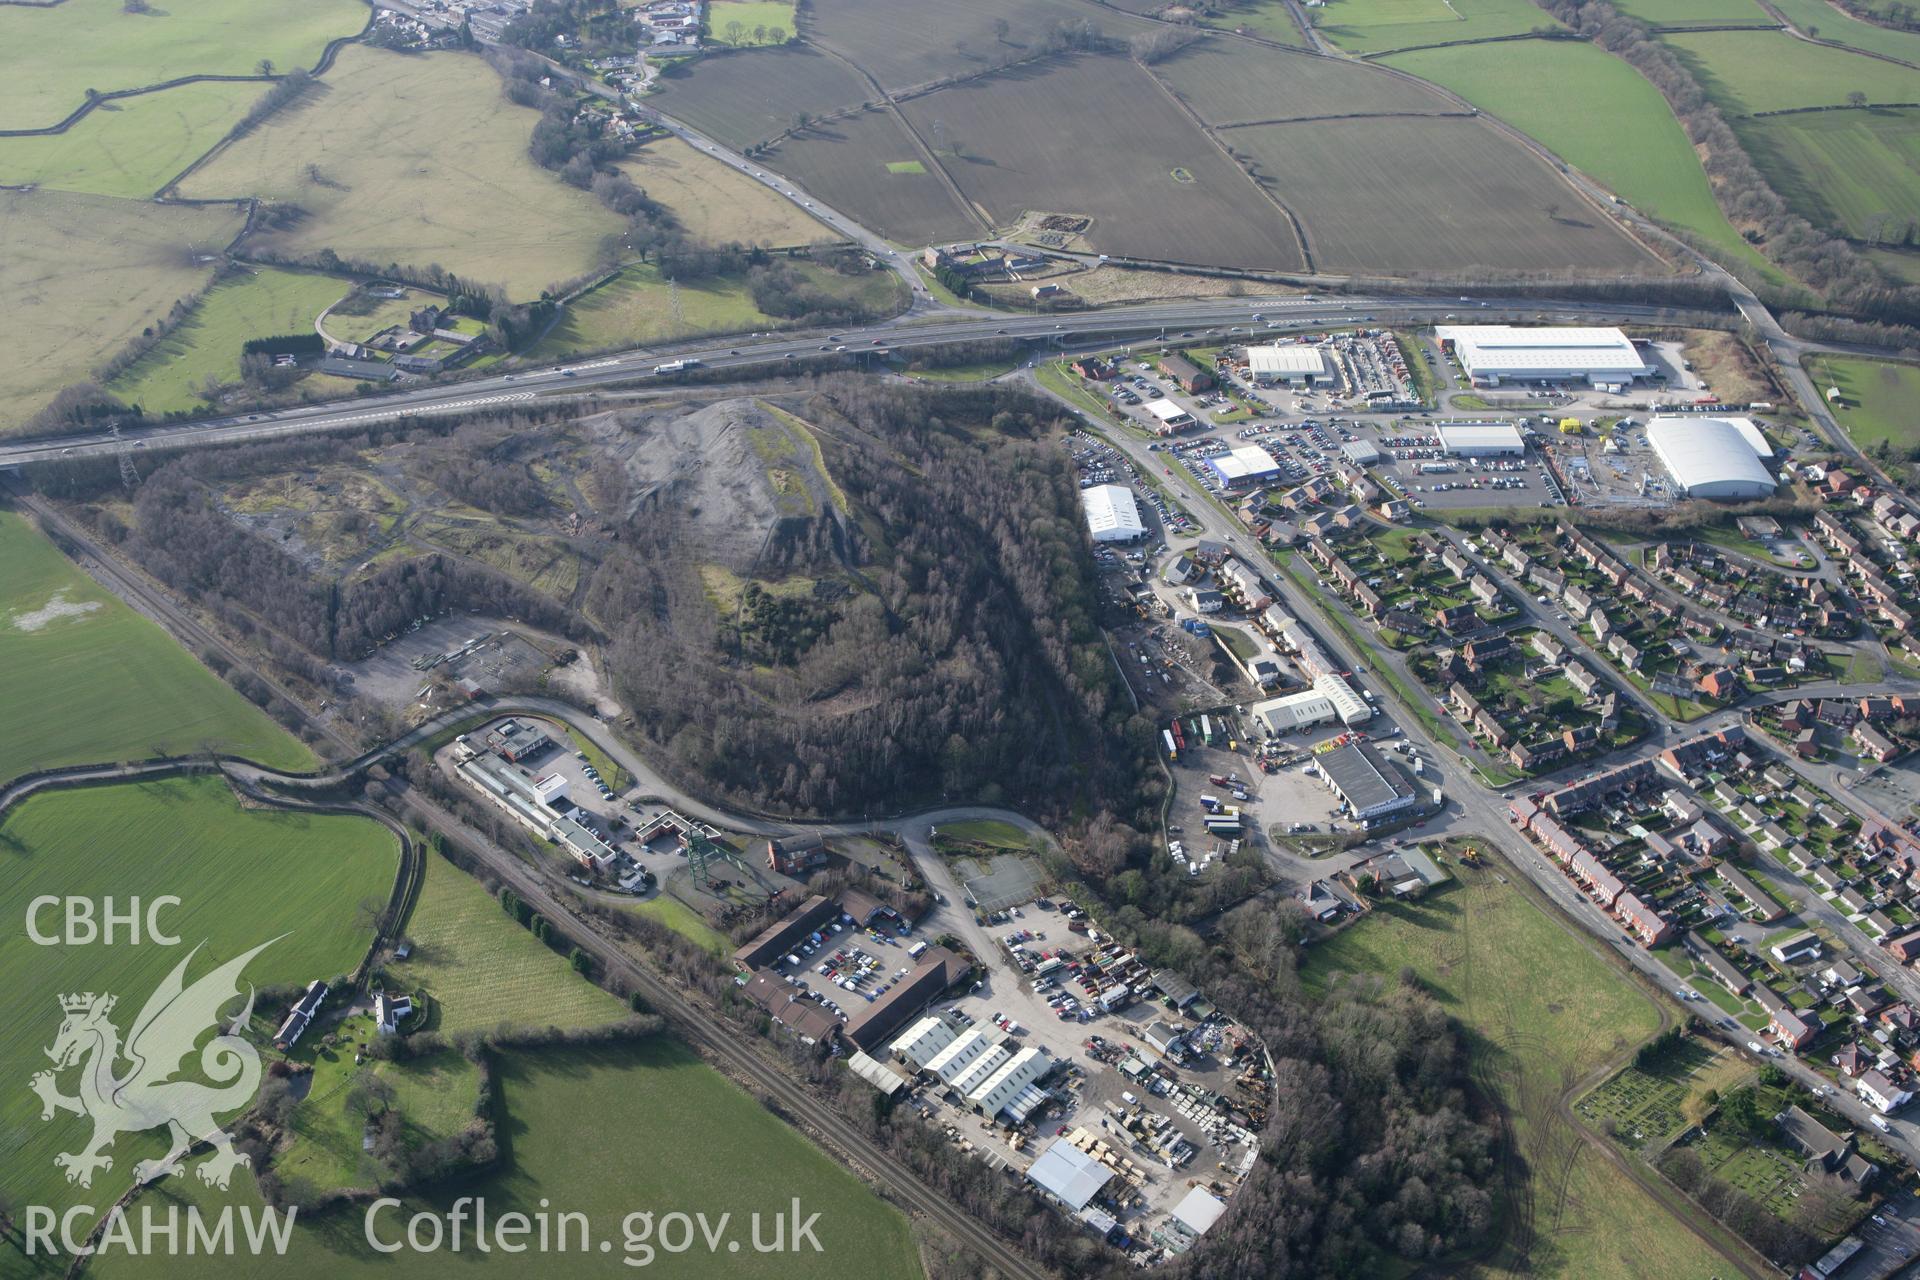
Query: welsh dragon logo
147, 1095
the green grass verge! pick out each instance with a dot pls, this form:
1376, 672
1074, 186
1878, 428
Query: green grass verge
683, 920
602, 1131
84, 679
481, 969
616, 777
1530, 1041
243, 877
979, 372
987, 831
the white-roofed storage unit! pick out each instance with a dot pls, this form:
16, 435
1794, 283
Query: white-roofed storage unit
1709, 458
1493, 353
1169, 413
1348, 705
1199, 1210
1248, 464
1294, 712
1296, 364
1112, 513
1481, 440
1749, 429
1068, 1174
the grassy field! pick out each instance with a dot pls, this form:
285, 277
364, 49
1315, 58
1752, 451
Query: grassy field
759, 22
1268, 19
717, 202
1600, 116
68, 311
606, 1132
1749, 71
416, 160
1484, 199
435, 1093
1857, 172
1695, 13
131, 146
244, 876
1878, 399
904, 43
51, 55
1371, 26
634, 307
1230, 82
83, 678
481, 969
869, 158
1131, 141
683, 920
750, 97
1817, 17
1531, 1042
362, 315
257, 304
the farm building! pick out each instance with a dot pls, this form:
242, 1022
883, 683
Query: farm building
1481, 440
1362, 778
1247, 465
1112, 513
1297, 366
1709, 458
1496, 353
1168, 416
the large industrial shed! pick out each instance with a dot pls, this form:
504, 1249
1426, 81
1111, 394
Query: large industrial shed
1709, 458
1496, 353
1297, 365
1112, 513
1248, 465
1481, 440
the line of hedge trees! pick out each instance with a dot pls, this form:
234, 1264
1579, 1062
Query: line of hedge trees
293, 344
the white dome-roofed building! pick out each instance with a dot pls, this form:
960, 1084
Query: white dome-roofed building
1709, 458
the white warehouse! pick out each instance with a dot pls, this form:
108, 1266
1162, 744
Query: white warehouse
1709, 458
1481, 440
1295, 365
1496, 353
1112, 513
1330, 699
